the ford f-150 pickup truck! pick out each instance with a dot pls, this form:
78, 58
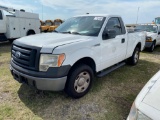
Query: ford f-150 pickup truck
68, 58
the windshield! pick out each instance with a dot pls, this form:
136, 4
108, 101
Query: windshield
147, 28
157, 20
57, 23
48, 23
84, 25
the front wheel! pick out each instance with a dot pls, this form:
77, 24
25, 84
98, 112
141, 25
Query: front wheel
79, 81
133, 60
151, 49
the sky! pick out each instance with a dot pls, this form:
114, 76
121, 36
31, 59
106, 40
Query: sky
64, 9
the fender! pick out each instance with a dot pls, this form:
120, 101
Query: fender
73, 56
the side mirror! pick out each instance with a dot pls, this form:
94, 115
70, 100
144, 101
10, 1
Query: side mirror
117, 26
158, 33
108, 34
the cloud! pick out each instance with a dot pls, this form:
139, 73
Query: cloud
18, 4
127, 9
68, 8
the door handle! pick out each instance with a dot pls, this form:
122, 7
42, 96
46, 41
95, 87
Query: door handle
123, 40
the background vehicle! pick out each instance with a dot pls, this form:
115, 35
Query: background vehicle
157, 20
42, 23
146, 105
46, 26
153, 35
56, 23
69, 57
17, 25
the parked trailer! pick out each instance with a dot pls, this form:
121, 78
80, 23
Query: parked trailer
18, 24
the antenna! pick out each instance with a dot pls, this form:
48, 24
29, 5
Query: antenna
42, 12
137, 15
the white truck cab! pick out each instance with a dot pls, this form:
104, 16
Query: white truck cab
153, 35
18, 24
157, 20
68, 58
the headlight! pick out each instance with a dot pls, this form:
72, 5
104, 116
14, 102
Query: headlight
135, 114
49, 60
141, 116
148, 39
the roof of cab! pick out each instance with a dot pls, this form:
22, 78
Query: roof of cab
102, 15
150, 24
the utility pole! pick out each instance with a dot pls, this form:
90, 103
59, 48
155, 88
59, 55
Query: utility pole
42, 12
137, 15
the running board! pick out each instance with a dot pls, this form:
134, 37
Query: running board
107, 71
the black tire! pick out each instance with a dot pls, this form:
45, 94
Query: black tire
76, 78
151, 49
11, 40
133, 60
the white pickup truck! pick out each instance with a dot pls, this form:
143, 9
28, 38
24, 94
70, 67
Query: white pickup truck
153, 35
68, 58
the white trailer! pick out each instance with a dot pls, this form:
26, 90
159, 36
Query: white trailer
18, 24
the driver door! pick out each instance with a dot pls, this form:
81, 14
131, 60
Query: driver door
113, 50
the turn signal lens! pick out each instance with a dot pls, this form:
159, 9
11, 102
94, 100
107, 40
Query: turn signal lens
61, 58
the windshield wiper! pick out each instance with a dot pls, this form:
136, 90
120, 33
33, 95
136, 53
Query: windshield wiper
77, 33
69, 32
55, 31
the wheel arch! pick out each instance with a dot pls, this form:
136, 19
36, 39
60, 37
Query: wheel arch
155, 41
139, 45
85, 60
30, 31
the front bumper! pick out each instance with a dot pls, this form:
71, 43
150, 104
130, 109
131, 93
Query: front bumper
40, 83
148, 44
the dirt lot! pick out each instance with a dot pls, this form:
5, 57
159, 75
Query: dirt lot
109, 99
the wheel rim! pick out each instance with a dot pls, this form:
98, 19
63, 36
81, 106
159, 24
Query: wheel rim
82, 82
136, 56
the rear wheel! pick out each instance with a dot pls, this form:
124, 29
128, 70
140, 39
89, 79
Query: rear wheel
31, 32
151, 49
133, 60
79, 81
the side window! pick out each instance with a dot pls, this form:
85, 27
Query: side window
1, 17
113, 25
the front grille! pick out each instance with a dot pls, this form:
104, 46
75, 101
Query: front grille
24, 57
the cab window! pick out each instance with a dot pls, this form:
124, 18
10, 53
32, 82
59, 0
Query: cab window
113, 25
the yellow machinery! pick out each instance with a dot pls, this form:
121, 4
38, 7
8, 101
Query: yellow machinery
56, 23
42, 23
46, 26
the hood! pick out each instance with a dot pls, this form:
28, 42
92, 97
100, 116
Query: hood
152, 98
51, 39
151, 34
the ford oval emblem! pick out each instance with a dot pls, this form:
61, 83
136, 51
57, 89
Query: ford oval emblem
18, 54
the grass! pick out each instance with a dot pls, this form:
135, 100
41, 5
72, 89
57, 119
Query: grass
109, 99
